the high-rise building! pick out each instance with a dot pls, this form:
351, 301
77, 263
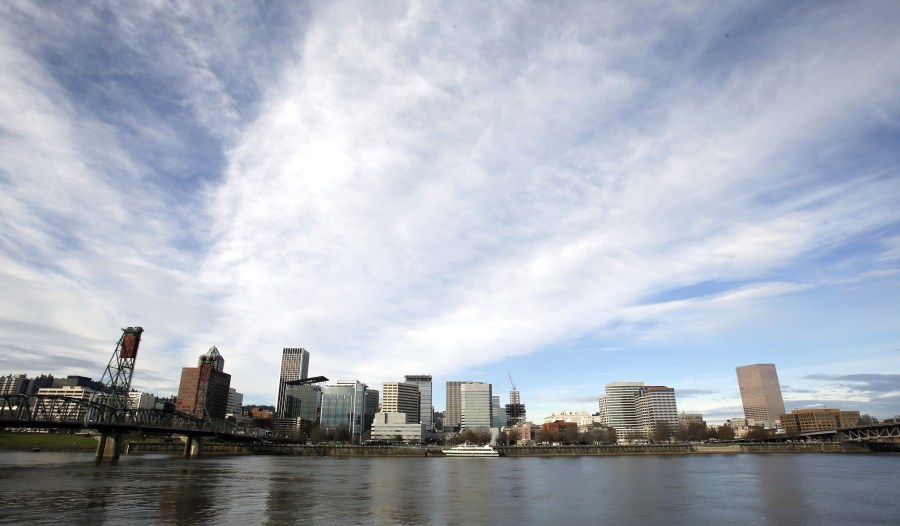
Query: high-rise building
423, 381
498, 414
618, 409
204, 389
212, 357
451, 412
515, 411
401, 397
656, 404
235, 402
294, 366
302, 399
475, 407
760, 394
372, 404
139, 400
344, 406
14, 384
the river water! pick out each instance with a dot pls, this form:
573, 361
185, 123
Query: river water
778, 488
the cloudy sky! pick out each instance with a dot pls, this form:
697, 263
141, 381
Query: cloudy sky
571, 194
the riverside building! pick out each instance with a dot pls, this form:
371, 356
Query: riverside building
426, 409
344, 406
618, 409
203, 390
656, 406
475, 405
401, 397
760, 394
294, 366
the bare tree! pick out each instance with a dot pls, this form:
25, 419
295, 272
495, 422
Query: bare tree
512, 436
661, 431
725, 433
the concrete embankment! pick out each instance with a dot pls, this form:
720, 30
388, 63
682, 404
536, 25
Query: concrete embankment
336, 450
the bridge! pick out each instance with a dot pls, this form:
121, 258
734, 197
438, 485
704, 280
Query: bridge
110, 415
869, 433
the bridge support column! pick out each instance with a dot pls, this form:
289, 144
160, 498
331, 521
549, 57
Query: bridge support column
109, 447
193, 446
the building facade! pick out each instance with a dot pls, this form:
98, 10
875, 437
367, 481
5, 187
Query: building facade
475, 405
426, 406
760, 394
294, 366
618, 409
401, 397
656, 406
390, 425
302, 400
344, 406
139, 400
808, 420
203, 390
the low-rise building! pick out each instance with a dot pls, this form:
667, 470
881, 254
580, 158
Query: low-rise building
808, 420
390, 425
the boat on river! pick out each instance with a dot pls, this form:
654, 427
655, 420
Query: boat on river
469, 450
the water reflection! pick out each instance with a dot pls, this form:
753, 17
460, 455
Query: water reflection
715, 489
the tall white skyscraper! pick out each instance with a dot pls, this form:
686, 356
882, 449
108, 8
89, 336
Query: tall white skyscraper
425, 404
294, 366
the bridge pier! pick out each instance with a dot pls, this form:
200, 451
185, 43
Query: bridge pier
193, 446
109, 447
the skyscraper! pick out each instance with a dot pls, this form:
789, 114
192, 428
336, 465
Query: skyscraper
618, 408
344, 406
294, 366
475, 405
425, 403
204, 389
655, 404
760, 393
401, 397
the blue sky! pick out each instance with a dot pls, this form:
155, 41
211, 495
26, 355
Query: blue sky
571, 194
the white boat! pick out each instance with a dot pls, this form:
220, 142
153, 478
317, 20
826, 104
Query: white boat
469, 450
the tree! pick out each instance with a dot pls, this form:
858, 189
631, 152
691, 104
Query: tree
570, 435
342, 434
866, 420
697, 432
725, 433
545, 435
512, 435
758, 433
661, 431
611, 436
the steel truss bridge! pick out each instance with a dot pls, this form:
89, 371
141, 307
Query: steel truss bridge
871, 433
42, 411
110, 414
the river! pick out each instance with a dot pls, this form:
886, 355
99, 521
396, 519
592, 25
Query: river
778, 488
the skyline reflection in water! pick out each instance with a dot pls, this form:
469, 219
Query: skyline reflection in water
49, 488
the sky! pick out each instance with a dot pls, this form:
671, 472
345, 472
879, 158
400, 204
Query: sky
563, 195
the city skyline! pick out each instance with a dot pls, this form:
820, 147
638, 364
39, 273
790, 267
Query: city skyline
571, 194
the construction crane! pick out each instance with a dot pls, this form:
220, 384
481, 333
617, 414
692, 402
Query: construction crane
514, 394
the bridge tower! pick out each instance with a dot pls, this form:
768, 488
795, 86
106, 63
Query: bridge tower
117, 377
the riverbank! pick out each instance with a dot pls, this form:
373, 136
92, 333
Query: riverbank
45, 442
344, 450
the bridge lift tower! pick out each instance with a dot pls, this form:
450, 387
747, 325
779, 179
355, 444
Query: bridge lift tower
117, 377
